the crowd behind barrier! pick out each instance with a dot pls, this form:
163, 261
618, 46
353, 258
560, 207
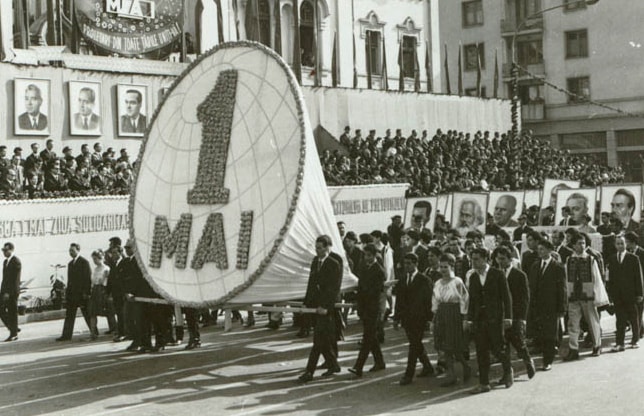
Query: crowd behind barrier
456, 161
45, 174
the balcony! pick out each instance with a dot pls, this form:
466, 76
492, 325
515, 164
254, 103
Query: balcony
533, 111
508, 26
535, 69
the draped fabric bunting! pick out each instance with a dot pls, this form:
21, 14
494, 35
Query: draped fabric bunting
385, 74
448, 86
334, 61
401, 67
428, 69
496, 75
368, 55
297, 49
460, 71
478, 71
220, 22
278, 28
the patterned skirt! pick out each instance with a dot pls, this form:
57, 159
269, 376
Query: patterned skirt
448, 328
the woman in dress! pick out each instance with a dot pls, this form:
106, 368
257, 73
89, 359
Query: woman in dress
98, 297
449, 304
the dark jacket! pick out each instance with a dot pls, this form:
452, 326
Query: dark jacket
371, 285
527, 260
115, 280
133, 280
11, 277
324, 285
520, 291
414, 300
494, 296
548, 299
79, 280
625, 279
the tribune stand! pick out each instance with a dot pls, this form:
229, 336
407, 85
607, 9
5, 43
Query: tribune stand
230, 194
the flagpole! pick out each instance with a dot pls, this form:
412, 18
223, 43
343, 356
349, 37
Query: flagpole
496, 74
460, 71
297, 49
353, 33
446, 64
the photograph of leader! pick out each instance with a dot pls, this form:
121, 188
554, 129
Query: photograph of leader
505, 208
31, 107
420, 213
624, 203
468, 212
579, 202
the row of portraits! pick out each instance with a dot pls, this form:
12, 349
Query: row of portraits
468, 211
33, 106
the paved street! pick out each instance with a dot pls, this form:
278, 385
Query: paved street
253, 372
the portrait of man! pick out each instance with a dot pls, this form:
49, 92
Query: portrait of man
577, 203
32, 96
84, 100
573, 205
467, 212
622, 202
132, 104
505, 208
549, 199
419, 214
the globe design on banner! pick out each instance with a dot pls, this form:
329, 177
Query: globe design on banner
263, 157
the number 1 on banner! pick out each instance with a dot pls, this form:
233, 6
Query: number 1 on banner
216, 116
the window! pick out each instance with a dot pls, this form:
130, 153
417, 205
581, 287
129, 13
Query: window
527, 8
470, 56
626, 138
583, 141
409, 56
581, 87
531, 94
577, 44
258, 21
373, 46
473, 13
530, 52
307, 34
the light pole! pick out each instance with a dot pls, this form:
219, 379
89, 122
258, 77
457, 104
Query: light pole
515, 67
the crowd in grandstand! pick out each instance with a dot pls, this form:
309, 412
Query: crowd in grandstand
45, 174
456, 161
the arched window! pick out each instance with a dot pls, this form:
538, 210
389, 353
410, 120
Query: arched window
307, 33
258, 21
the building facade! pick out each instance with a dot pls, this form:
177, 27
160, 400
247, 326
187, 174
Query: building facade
592, 51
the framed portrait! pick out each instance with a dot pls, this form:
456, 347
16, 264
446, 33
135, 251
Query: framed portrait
31, 106
532, 197
132, 110
580, 202
506, 207
469, 212
550, 188
625, 202
85, 116
420, 213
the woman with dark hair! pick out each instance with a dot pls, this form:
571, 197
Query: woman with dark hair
449, 304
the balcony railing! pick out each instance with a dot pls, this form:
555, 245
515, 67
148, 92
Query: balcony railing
508, 26
536, 69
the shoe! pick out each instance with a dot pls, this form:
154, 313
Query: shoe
467, 373
481, 388
572, 355
144, 350
193, 344
617, 348
331, 371
635, 346
305, 378
132, 347
250, 323
355, 371
449, 383
108, 332
377, 367
302, 333
546, 367
405, 381
597, 351
11, 338
158, 348
426, 372
63, 339
508, 379
529, 366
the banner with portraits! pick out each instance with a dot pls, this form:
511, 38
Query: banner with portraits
580, 202
624, 202
31, 106
420, 213
132, 110
469, 212
85, 117
506, 207
550, 188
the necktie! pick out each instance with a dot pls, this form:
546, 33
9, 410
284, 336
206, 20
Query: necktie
543, 266
85, 124
5, 263
34, 122
134, 123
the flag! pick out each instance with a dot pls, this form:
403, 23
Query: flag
449, 88
385, 74
496, 75
297, 50
368, 55
416, 70
317, 79
220, 23
251, 22
478, 71
428, 68
334, 60
355, 69
401, 67
460, 71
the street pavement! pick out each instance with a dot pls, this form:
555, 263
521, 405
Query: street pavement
254, 371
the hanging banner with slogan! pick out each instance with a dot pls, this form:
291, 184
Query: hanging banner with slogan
130, 28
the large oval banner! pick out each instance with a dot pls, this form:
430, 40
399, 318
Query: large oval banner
130, 28
219, 203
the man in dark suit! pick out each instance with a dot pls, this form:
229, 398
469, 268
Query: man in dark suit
323, 291
370, 289
32, 119
548, 300
489, 313
559, 240
625, 290
633, 247
115, 288
9, 291
517, 234
623, 206
79, 275
86, 119
520, 291
133, 121
414, 309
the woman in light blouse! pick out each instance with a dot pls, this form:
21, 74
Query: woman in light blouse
449, 304
98, 297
